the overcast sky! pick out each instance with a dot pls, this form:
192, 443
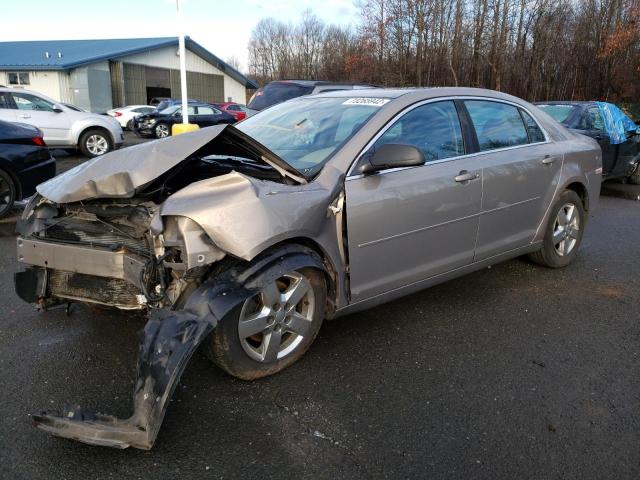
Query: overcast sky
222, 26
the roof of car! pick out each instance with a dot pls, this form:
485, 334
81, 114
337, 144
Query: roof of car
313, 83
68, 54
565, 102
430, 92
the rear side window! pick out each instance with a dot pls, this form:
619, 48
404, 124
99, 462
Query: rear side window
533, 129
497, 125
434, 128
597, 123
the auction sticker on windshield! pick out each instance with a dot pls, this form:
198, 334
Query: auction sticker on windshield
369, 101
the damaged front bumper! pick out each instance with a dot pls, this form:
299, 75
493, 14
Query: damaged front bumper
167, 343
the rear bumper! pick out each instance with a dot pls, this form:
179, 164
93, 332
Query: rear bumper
34, 175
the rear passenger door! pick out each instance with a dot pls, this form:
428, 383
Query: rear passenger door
520, 171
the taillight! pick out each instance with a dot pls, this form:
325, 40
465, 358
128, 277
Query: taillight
39, 141
117, 114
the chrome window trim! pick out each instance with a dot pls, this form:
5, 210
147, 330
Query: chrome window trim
390, 123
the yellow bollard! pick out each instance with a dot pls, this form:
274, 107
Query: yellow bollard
179, 128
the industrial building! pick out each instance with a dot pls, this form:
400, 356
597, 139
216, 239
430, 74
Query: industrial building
98, 75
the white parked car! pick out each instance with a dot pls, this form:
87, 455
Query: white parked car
125, 115
62, 126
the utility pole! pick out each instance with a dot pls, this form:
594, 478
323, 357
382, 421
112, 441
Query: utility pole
185, 126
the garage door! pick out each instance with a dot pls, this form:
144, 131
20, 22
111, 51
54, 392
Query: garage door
205, 87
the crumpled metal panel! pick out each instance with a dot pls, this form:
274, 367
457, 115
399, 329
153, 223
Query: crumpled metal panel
121, 172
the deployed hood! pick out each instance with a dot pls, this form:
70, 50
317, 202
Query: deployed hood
121, 173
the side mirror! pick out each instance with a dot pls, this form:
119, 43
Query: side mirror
56, 109
392, 155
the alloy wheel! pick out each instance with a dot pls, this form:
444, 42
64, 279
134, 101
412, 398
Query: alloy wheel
6, 195
273, 323
97, 144
162, 131
566, 229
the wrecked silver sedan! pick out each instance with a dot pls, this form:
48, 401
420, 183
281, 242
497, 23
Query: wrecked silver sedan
243, 239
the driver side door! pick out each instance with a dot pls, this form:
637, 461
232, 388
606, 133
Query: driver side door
408, 224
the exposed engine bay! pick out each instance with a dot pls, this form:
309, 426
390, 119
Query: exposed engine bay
180, 229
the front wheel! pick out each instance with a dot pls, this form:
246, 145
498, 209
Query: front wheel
563, 235
7, 193
271, 330
162, 130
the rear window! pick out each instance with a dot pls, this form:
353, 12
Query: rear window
560, 113
277, 92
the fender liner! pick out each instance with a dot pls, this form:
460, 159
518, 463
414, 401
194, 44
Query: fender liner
167, 342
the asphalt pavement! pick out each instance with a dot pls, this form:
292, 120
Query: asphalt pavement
513, 372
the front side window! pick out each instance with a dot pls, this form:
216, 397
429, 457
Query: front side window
497, 125
4, 100
433, 128
18, 78
533, 129
26, 101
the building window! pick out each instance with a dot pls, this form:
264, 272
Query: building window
18, 78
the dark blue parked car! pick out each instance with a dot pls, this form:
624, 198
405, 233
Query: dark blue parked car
158, 124
25, 162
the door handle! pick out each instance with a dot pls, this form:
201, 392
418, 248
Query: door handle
465, 176
24, 115
548, 160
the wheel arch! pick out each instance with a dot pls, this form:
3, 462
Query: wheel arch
330, 271
581, 191
95, 127
4, 166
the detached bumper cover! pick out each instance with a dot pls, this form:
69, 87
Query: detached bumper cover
168, 341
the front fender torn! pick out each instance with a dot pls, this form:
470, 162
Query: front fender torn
168, 341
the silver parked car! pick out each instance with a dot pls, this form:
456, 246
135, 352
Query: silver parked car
243, 239
63, 126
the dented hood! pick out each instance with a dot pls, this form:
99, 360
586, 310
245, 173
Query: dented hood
121, 173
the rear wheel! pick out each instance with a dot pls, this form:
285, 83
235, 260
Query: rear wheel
7, 193
95, 142
273, 329
563, 235
129, 125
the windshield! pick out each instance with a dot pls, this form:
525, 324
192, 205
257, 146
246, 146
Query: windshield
560, 113
307, 131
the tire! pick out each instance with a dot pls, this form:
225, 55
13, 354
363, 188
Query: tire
7, 193
162, 130
95, 142
561, 251
634, 178
274, 345
129, 125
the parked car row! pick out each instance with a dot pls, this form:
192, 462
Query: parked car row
158, 123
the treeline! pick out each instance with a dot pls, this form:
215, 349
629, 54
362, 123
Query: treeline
535, 49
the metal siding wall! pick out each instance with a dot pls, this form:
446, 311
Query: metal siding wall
135, 85
200, 86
